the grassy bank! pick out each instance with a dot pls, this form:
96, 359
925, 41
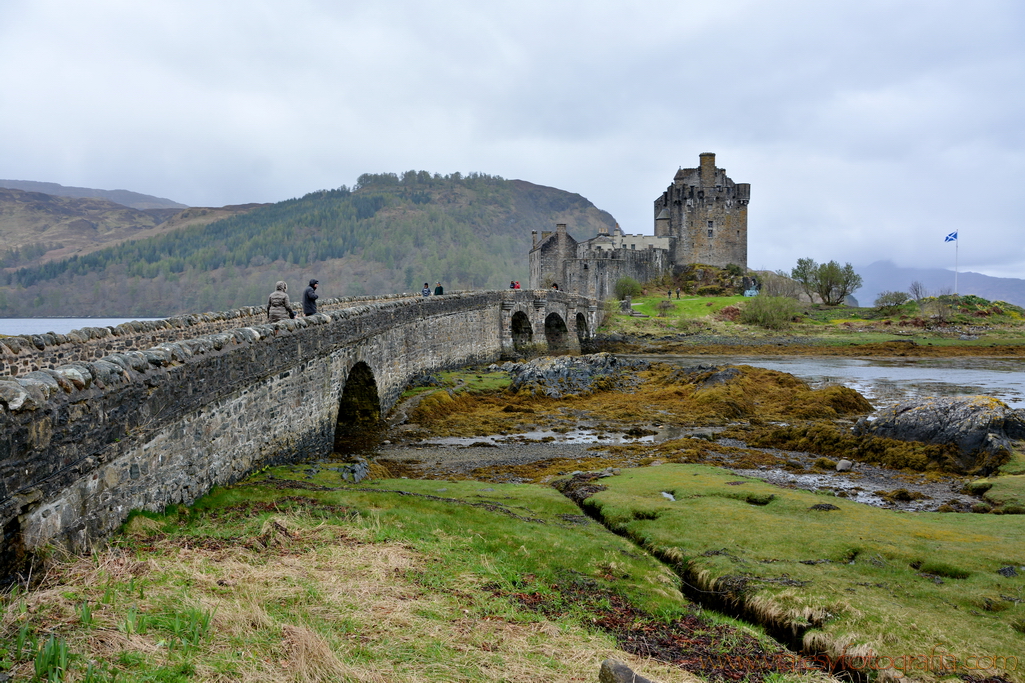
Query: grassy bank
296, 576
967, 326
889, 590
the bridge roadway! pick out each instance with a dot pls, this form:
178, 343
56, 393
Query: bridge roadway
84, 443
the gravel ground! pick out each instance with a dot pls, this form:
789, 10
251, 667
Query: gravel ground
448, 460
863, 484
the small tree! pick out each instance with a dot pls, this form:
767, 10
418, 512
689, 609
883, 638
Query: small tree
834, 283
627, 286
917, 291
804, 274
890, 301
830, 281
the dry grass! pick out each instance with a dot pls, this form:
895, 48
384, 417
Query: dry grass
320, 603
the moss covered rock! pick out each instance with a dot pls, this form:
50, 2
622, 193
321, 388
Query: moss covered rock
982, 428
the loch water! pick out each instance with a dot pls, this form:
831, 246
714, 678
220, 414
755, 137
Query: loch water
885, 381
25, 326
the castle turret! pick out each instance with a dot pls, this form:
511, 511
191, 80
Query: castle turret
707, 169
662, 223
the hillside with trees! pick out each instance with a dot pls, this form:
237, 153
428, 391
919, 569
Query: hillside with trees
388, 234
36, 227
134, 200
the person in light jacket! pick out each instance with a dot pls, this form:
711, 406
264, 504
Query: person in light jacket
278, 305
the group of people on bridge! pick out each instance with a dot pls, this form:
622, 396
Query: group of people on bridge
438, 289
279, 307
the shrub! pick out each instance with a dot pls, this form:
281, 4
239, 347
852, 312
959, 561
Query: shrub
711, 290
663, 307
772, 312
627, 286
734, 270
730, 313
888, 301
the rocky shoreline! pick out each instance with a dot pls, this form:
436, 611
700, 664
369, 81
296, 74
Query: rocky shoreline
578, 439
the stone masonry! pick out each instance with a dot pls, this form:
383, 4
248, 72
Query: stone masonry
84, 443
700, 219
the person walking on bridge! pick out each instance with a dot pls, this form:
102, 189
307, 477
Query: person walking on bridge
310, 298
278, 305
438, 289
426, 291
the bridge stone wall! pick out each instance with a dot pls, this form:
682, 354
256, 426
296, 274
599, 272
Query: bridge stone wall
83, 444
27, 353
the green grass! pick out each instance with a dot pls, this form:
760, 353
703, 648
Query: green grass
466, 380
856, 579
1006, 493
297, 575
841, 326
302, 577
686, 306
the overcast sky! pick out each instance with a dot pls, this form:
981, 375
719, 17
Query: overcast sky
868, 129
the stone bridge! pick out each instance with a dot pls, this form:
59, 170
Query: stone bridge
103, 421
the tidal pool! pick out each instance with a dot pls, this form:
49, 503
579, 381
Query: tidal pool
885, 381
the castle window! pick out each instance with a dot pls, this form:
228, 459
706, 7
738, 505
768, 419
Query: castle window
709, 233
633, 246
711, 224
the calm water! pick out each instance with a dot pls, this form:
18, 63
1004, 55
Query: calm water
22, 326
886, 381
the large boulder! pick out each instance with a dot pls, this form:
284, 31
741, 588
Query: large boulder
983, 428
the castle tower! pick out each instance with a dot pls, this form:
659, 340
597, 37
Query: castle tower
707, 214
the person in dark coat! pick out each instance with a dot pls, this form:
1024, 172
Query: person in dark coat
310, 298
438, 289
278, 305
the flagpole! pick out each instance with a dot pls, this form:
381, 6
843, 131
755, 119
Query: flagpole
952, 237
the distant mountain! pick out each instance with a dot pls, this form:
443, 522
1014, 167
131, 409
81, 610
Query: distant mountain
387, 235
36, 228
124, 197
883, 276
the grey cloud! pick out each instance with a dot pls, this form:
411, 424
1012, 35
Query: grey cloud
868, 129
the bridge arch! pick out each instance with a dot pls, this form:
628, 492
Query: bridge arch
583, 332
522, 331
556, 332
359, 407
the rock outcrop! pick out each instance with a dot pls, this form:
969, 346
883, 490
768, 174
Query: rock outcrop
983, 428
558, 376
613, 671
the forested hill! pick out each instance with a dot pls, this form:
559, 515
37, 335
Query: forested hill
388, 234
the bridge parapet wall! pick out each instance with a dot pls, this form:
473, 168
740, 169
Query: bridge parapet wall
84, 443
27, 353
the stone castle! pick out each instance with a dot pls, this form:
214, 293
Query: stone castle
701, 218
